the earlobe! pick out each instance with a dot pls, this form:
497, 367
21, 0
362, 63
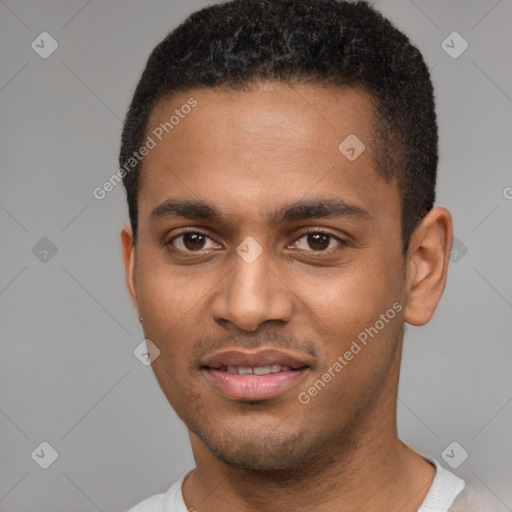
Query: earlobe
128, 252
427, 265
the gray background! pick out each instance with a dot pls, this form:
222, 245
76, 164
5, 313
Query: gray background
68, 331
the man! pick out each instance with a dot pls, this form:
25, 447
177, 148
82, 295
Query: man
279, 158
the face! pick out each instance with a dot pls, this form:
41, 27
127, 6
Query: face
262, 247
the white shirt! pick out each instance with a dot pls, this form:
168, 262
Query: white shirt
448, 493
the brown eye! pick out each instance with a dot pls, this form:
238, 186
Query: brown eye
317, 241
190, 241
193, 241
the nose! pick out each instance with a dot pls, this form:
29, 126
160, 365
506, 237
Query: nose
252, 293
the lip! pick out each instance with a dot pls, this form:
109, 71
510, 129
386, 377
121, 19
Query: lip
261, 357
253, 387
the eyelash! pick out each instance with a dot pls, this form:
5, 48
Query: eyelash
195, 231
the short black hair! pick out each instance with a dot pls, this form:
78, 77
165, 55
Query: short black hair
320, 42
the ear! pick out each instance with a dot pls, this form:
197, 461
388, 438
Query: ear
427, 265
128, 251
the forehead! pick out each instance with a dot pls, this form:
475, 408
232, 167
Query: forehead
265, 115
248, 147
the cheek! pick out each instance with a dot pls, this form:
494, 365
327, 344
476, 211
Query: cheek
169, 307
357, 355
355, 293
168, 295
181, 393
360, 303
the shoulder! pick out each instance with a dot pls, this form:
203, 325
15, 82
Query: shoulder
449, 493
471, 499
170, 501
153, 504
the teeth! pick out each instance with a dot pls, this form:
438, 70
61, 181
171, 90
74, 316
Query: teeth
257, 370
261, 370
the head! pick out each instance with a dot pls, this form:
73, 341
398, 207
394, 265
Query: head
285, 202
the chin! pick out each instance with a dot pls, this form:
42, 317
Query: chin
254, 456
271, 451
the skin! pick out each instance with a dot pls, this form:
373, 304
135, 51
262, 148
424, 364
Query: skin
249, 153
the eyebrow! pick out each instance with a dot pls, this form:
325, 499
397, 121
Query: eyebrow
305, 209
317, 209
185, 208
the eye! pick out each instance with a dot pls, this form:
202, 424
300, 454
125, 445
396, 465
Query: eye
318, 241
190, 241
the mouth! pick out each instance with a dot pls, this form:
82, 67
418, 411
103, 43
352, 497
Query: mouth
256, 370
253, 376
